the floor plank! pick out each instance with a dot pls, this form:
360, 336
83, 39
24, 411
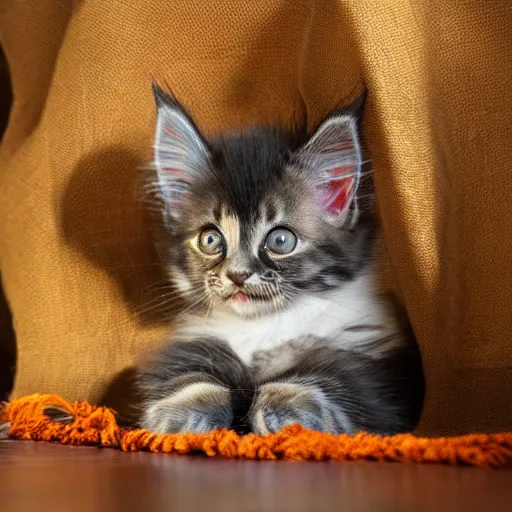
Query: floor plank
40, 476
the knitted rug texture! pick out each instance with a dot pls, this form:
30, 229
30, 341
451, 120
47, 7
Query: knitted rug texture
97, 426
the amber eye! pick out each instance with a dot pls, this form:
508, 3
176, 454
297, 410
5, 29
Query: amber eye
281, 241
211, 242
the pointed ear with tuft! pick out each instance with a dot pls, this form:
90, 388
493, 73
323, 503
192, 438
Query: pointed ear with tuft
333, 157
181, 154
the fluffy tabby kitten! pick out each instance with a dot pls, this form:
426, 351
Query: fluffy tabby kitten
273, 253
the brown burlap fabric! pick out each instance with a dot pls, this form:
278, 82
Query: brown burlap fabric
74, 250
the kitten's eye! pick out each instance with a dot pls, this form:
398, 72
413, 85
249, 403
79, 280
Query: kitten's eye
211, 241
281, 241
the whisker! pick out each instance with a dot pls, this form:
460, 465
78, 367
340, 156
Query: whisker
196, 303
165, 300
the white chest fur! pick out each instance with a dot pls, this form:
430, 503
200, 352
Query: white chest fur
353, 317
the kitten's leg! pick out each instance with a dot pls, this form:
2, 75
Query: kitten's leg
195, 386
337, 391
292, 400
196, 403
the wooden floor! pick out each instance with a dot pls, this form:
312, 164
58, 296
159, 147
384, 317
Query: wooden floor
39, 476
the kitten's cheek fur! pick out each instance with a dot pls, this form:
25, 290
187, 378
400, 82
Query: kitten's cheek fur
198, 408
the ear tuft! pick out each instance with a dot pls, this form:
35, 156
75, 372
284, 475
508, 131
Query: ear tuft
180, 152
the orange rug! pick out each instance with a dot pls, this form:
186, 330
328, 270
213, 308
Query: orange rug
97, 426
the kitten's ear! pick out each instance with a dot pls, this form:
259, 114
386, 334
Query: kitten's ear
180, 152
333, 157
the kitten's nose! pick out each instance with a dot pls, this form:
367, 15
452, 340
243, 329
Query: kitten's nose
238, 277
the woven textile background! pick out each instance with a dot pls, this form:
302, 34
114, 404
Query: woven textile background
74, 250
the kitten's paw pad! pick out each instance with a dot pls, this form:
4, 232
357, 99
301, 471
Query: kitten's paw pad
200, 407
281, 404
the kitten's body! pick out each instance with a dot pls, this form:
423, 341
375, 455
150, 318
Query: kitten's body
276, 261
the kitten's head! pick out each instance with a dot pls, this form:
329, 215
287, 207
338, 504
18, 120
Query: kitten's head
260, 219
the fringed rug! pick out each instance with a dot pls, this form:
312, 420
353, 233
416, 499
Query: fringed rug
26, 419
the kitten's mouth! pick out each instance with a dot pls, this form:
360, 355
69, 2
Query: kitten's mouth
244, 297
240, 297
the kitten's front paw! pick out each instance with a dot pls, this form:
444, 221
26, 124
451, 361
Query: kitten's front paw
282, 403
199, 407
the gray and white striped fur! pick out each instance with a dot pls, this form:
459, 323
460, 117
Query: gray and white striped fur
273, 255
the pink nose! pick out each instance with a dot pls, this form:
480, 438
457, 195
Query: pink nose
238, 278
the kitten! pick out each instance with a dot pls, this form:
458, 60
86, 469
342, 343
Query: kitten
274, 255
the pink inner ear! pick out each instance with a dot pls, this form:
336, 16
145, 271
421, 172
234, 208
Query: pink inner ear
337, 194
